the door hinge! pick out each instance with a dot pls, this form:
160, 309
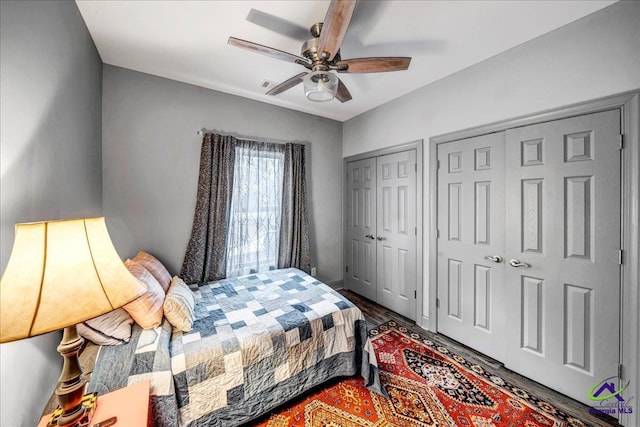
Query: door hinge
620, 371
415, 294
347, 269
620, 259
437, 233
415, 231
437, 164
621, 141
416, 166
437, 302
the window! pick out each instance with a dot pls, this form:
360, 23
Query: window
255, 215
251, 210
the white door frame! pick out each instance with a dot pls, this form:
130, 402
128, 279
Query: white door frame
414, 145
629, 105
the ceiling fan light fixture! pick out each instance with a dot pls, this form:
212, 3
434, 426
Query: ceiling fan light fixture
320, 86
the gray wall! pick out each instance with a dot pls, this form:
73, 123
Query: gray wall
593, 57
151, 155
50, 141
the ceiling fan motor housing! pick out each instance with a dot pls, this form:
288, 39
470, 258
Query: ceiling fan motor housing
310, 50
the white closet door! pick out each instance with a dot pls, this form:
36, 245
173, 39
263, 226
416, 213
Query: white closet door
381, 227
396, 232
471, 218
563, 285
360, 248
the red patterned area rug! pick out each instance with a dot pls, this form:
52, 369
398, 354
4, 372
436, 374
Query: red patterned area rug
428, 385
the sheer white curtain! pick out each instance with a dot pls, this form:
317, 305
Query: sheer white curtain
256, 208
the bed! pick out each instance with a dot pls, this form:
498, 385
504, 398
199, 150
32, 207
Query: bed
257, 341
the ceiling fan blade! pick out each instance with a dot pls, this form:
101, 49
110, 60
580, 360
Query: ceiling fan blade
287, 84
278, 25
269, 51
373, 65
342, 94
335, 27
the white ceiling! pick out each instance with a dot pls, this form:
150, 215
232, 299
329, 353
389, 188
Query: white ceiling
187, 41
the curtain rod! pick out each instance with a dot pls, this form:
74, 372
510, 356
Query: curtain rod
202, 131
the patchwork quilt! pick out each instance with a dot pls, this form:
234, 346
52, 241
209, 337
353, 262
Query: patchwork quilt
258, 341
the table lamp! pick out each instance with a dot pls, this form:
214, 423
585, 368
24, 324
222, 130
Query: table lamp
61, 273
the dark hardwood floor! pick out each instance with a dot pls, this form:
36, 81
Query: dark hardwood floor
376, 314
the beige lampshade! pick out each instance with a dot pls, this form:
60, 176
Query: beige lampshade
61, 273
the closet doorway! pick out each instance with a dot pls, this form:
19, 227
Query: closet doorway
383, 203
528, 248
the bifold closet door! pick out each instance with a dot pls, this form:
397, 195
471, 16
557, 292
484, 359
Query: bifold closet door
360, 274
471, 218
562, 251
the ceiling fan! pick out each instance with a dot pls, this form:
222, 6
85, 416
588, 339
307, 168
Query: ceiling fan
321, 56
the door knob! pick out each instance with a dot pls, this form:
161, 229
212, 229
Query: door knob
370, 236
380, 238
494, 258
516, 263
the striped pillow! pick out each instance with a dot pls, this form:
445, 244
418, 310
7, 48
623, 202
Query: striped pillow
178, 305
155, 267
146, 310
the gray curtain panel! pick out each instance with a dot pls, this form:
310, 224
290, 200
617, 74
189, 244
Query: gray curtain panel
205, 259
206, 256
294, 227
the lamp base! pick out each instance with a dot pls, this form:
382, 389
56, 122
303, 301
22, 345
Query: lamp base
71, 385
89, 404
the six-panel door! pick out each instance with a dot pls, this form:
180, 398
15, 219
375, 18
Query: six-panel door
563, 235
471, 242
397, 232
361, 228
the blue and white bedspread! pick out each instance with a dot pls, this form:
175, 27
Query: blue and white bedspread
257, 342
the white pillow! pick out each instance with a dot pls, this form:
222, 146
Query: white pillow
112, 328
